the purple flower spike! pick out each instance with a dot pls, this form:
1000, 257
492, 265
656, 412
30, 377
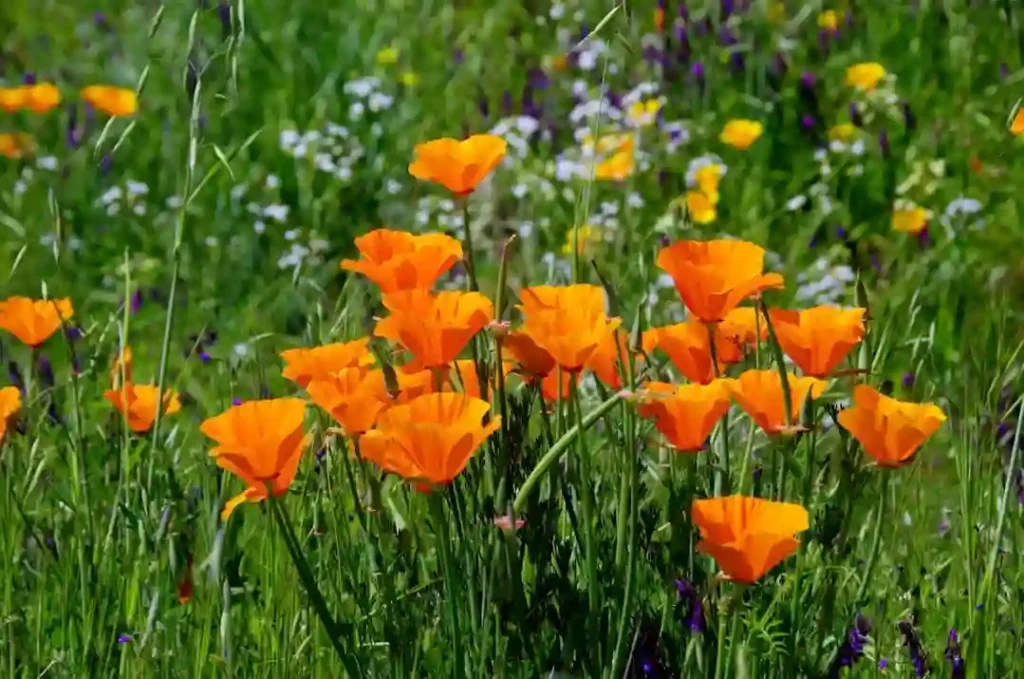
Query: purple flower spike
883, 663
855, 116
698, 71
224, 14
124, 638
908, 380
908, 117
136, 302
953, 655
914, 648
30, 79
45, 371
236, 401
808, 122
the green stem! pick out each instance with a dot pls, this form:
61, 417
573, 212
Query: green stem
468, 246
585, 488
780, 361
560, 446
445, 557
722, 480
334, 633
726, 616
876, 541
1003, 504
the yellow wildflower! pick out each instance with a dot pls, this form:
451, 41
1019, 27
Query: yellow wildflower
865, 76
387, 56
910, 218
829, 21
590, 235
410, 79
741, 133
643, 113
842, 132
700, 207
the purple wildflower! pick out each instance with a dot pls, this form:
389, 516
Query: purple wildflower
224, 14
909, 120
883, 144
106, 162
883, 663
954, 656
30, 78
124, 638
690, 597
914, 648
135, 303
908, 380
236, 401
698, 72
852, 649
808, 122
855, 117
44, 369
74, 132
14, 375
924, 238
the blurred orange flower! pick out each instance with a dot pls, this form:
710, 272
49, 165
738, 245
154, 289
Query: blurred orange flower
618, 166
304, 365
605, 359
685, 414
434, 328
743, 327
16, 145
1016, 125
431, 438
891, 431
41, 97
114, 101
10, 403
33, 321
687, 345
458, 165
12, 99
567, 322
396, 260
759, 393
352, 396
748, 536
139, 403
261, 443
741, 133
817, 339
714, 276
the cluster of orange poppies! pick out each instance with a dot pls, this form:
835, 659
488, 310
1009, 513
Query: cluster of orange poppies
425, 419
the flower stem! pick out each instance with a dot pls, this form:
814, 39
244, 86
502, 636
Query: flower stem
722, 480
445, 557
585, 486
334, 633
468, 246
876, 541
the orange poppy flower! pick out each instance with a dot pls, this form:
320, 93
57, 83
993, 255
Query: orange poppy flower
33, 321
469, 380
434, 328
714, 276
687, 345
114, 101
817, 339
396, 260
431, 438
16, 145
353, 398
458, 165
748, 536
12, 99
891, 431
303, 365
535, 364
741, 328
759, 393
605, 359
261, 443
139, 402
10, 403
41, 98
569, 323
685, 414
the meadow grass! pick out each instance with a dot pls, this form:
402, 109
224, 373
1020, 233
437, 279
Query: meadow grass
205, 232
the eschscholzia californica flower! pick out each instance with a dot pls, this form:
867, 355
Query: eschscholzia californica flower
741, 134
843, 132
714, 276
604, 362
33, 321
302, 366
535, 364
430, 439
41, 97
687, 345
741, 328
113, 101
684, 414
700, 207
748, 536
459, 166
817, 339
890, 431
12, 99
909, 218
759, 393
10, 403
397, 260
865, 76
434, 328
352, 397
16, 145
1016, 123
616, 167
568, 322
261, 443
139, 402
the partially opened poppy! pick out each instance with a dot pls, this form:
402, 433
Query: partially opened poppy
396, 260
10, 403
352, 396
748, 536
759, 393
743, 327
33, 321
113, 101
569, 323
714, 276
261, 443
430, 439
457, 165
817, 339
306, 364
535, 364
434, 328
41, 97
891, 431
139, 402
684, 414
607, 357
687, 345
